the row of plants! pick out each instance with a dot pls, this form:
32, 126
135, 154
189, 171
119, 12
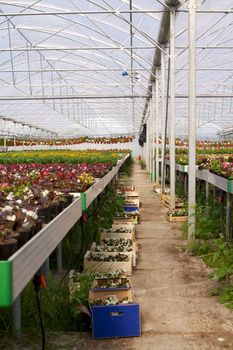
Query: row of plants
220, 163
33, 194
63, 310
212, 247
67, 141
202, 144
62, 156
210, 240
216, 152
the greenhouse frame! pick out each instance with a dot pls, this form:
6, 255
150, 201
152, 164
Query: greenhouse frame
156, 73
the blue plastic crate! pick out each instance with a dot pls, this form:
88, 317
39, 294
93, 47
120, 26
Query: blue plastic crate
130, 208
110, 321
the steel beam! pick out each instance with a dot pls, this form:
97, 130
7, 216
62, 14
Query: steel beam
163, 38
67, 97
172, 110
192, 120
157, 123
228, 218
16, 315
73, 70
163, 120
56, 13
92, 48
211, 47
153, 177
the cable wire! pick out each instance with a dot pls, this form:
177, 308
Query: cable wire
36, 283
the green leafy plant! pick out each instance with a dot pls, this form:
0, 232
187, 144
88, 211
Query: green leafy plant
221, 260
199, 248
143, 164
225, 295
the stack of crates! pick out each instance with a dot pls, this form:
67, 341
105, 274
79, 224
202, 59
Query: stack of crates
115, 312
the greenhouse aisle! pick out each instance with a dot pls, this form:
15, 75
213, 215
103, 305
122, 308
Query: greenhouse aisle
172, 288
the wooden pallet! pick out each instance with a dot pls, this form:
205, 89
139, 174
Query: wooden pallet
165, 199
171, 218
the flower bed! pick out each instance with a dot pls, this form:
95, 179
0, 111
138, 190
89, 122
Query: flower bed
70, 141
60, 156
32, 194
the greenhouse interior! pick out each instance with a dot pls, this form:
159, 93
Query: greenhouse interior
116, 174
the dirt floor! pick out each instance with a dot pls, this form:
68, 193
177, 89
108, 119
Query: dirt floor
173, 289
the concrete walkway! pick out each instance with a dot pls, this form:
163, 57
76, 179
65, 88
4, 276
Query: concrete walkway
172, 288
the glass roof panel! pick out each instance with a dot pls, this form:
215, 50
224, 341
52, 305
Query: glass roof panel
89, 64
56, 51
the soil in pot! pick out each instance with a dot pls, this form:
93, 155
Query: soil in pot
33, 230
24, 234
39, 223
7, 248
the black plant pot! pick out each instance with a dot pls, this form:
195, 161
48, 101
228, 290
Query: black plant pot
68, 200
8, 248
33, 230
39, 223
60, 207
44, 214
24, 234
53, 211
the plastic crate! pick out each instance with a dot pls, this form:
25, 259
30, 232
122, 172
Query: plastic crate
113, 321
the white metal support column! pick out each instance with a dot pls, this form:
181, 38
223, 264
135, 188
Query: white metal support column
150, 126
5, 132
148, 140
228, 218
163, 117
153, 132
192, 119
157, 125
16, 316
172, 109
14, 134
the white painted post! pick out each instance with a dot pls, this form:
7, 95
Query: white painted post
228, 217
157, 124
172, 109
14, 134
153, 132
5, 132
163, 117
147, 140
151, 137
192, 119
16, 315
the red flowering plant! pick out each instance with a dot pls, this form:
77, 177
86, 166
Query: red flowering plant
223, 167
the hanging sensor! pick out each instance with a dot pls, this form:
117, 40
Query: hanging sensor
125, 73
137, 76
